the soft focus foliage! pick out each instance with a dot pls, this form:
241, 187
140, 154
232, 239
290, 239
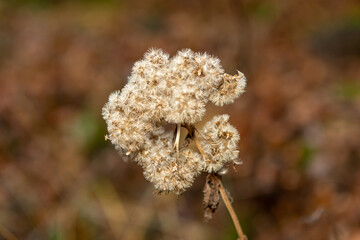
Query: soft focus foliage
298, 120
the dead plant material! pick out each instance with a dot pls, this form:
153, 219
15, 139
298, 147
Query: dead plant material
211, 195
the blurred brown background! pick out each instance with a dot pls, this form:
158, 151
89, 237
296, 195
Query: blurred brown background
299, 118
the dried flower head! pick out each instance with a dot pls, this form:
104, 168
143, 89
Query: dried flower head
163, 90
220, 142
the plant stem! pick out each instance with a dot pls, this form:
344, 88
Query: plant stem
177, 140
231, 211
198, 145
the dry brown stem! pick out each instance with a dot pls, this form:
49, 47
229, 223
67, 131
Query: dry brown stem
231, 211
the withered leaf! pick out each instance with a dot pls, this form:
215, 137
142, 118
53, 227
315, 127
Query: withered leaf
211, 195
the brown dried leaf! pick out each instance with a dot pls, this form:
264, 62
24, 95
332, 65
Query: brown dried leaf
211, 195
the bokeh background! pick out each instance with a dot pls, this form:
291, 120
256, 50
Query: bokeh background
299, 119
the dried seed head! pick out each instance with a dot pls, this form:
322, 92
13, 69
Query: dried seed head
174, 90
230, 88
220, 142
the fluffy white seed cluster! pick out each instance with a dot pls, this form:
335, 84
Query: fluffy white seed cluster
163, 90
220, 142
